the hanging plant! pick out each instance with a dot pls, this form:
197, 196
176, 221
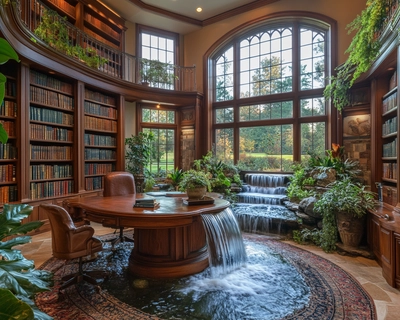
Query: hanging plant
363, 51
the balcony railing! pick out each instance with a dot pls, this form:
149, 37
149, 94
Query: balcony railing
50, 29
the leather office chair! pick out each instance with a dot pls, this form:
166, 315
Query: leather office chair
118, 183
70, 242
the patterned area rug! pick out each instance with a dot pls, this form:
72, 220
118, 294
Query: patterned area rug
334, 293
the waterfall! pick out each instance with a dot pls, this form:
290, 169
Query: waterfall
225, 244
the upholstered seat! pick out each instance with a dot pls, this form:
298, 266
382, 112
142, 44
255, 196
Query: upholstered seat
118, 183
71, 242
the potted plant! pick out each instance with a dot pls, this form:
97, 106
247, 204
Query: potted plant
195, 183
154, 71
138, 155
343, 207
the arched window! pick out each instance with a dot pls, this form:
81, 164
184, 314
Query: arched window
268, 106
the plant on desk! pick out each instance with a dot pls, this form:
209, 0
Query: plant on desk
195, 183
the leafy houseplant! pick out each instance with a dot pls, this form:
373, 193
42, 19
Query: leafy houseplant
138, 155
6, 53
342, 196
363, 51
194, 179
53, 30
175, 177
17, 274
154, 71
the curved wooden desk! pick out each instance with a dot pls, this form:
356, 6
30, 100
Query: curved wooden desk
170, 241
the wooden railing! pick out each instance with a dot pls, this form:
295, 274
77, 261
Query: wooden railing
44, 25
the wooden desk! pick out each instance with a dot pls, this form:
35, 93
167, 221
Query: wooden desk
170, 241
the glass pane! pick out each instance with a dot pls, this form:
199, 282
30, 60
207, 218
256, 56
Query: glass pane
277, 110
312, 107
163, 153
224, 145
266, 148
264, 60
224, 76
224, 115
313, 139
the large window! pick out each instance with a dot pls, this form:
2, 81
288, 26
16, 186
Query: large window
162, 124
157, 50
268, 108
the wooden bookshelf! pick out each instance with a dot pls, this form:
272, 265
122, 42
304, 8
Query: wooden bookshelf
8, 151
51, 132
100, 137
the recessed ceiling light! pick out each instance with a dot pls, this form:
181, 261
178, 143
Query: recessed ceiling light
199, 9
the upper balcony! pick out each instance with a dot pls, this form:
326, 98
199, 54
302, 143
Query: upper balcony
47, 28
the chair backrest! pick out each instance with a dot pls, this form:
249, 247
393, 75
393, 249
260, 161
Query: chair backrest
118, 183
67, 241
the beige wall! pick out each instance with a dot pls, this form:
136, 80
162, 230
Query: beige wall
343, 11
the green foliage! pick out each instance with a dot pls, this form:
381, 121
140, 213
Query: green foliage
6, 53
17, 274
138, 152
223, 175
175, 176
154, 71
342, 196
363, 51
13, 308
194, 178
53, 30
306, 236
296, 189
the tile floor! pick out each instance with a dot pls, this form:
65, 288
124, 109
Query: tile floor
366, 271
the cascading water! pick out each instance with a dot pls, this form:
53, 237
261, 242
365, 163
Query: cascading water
260, 206
226, 250
245, 280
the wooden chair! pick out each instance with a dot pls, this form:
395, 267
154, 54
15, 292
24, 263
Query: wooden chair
118, 183
71, 242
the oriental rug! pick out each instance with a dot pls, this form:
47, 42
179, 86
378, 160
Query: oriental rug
334, 294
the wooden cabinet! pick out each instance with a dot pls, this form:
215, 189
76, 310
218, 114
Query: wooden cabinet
8, 152
397, 254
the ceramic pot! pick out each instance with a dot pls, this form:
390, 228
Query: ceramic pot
196, 193
351, 229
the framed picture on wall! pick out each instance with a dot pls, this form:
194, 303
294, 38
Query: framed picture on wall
357, 126
360, 96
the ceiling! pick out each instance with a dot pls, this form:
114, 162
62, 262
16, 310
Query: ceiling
180, 16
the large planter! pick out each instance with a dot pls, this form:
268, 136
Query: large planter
196, 193
351, 229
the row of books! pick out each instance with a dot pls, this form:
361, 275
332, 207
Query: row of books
7, 173
94, 183
98, 168
390, 149
51, 98
9, 126
100, 140
389, 103
10, 88
389, 170
100, 124
146, 202
8, 151
100, 154
8, 108
8, 194
43, 132
51, 82
389, 195
44, 171
53, 116
390, 126
99, 97
96, 109
51, 189
50, 152
100, 38
102, 26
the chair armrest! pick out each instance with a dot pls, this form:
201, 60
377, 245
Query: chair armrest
80, 236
